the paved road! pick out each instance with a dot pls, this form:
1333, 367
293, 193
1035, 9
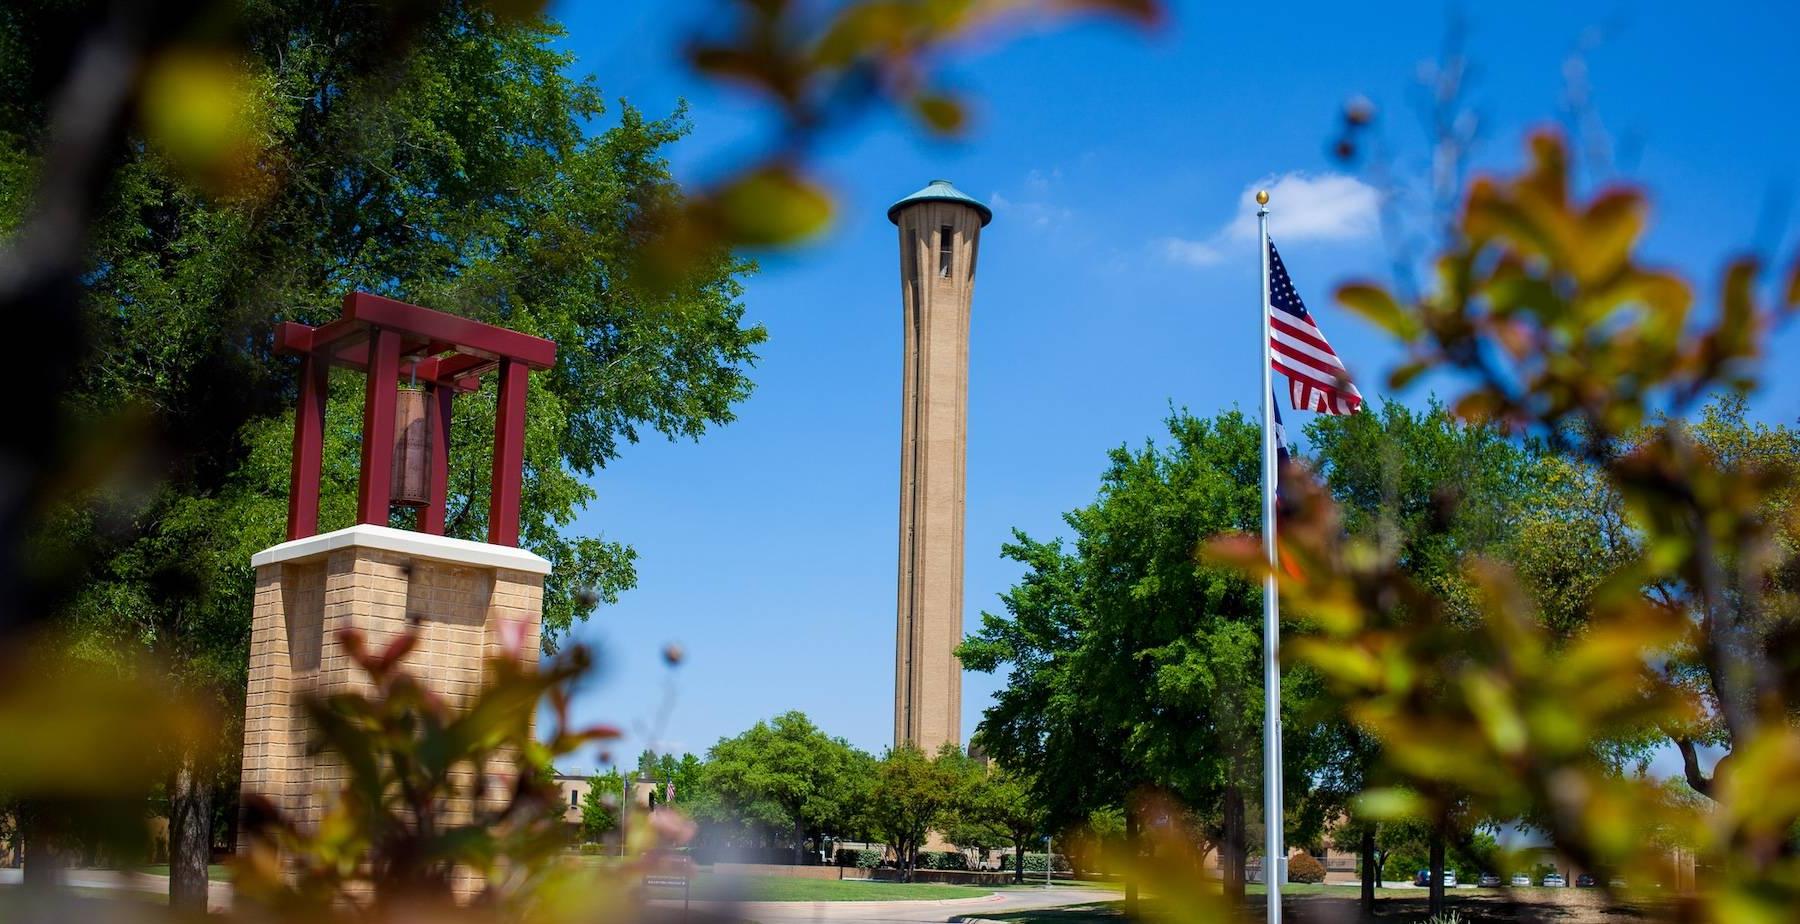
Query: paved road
903, 912
900, 912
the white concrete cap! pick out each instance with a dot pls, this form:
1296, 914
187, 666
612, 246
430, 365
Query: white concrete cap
406, 542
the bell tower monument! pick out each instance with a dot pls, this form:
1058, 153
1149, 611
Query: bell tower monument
466, 602
940, 231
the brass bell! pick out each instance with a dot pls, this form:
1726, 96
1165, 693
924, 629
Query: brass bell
410, 484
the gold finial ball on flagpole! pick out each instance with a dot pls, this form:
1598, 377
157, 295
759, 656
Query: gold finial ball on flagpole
1262, 197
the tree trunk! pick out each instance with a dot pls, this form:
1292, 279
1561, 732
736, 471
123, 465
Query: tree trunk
1131, 856
37, 850
1369, 870
1437, 873
42, 845
1231, 848
799, 843
1019, 857
190, 838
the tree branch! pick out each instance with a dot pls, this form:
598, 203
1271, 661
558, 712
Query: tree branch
1690, 766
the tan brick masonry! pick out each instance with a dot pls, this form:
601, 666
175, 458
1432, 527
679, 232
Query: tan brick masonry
300, 607
936, 296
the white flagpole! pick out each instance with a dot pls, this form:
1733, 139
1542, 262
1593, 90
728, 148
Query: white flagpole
1274, 854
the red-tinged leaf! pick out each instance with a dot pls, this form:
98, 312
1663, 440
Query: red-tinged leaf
1550, 168
753, 70
1375, 305
400, 647
1404, 374
1239, 550
1610, 226
1389, 804
1477, 407
1145, 13
357, 650
770, 206
599, 732
861, 29
941, 113
1736, 332
1344, 664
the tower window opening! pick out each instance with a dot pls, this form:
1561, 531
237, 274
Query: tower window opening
945, 251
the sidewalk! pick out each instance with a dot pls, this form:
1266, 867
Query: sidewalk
218, 894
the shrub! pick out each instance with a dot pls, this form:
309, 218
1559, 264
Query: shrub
1304, 867
590, 850
859, 858
943, 859
1034, 863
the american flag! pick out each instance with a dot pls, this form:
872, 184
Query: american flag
1317, 379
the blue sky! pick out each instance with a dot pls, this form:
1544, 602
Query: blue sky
1113, 283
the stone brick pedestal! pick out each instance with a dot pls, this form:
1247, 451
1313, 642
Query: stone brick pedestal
374, 579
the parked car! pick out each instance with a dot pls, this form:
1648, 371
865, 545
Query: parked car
1423, 878
1520, 881
1585, 881
1555, 881
1488, 881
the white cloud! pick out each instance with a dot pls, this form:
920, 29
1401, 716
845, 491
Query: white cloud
1328, 207
1302, 207
1191, 253
1034, 213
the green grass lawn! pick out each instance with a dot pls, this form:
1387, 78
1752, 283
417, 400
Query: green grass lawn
709, 886
786, 889
214, 873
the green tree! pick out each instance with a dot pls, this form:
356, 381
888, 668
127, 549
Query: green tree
1135, 665
689, 776
684, 775
602, 804
1437, 494
911, 793
807, 777
463, 175
1349, 757
993, 806
958, 825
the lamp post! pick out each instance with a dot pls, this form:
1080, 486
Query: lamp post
1049, 860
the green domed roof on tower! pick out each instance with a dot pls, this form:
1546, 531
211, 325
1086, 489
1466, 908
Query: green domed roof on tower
941, 191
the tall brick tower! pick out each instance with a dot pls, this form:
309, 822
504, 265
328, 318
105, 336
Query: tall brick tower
940, 228
368, 576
